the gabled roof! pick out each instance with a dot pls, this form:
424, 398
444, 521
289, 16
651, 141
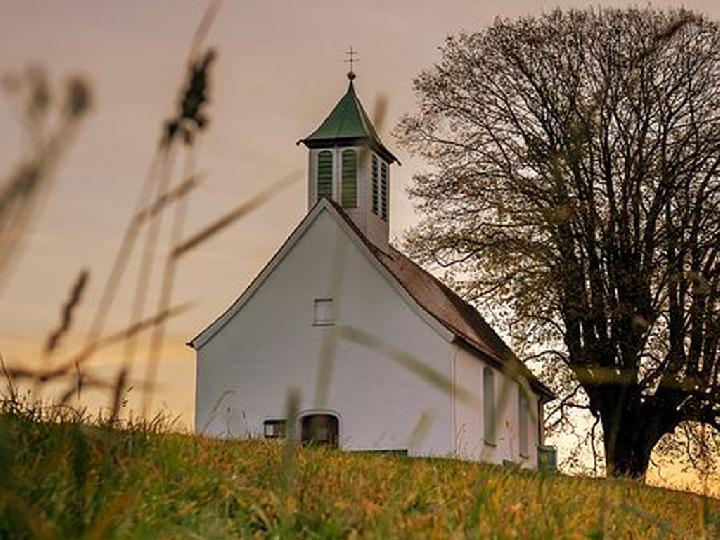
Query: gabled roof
457, 319
348, 123
442, 303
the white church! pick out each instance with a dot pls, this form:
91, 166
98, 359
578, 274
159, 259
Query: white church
383, 355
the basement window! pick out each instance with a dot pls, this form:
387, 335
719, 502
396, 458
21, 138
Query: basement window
274, 429
323, 312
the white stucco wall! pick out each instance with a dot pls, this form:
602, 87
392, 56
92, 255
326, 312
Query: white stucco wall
469, 418
244, 372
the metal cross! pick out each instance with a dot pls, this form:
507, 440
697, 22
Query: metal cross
351, 57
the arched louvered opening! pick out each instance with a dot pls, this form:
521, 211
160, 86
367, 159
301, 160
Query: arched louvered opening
384, 191
324, 174
320, 429
349, 178
489, 419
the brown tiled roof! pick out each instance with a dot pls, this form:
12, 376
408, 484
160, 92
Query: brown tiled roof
469, 328
444, 305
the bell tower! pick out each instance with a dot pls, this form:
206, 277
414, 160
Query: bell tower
349, 164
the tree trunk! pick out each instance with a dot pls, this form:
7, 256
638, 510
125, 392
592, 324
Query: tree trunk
629, 446
629, 460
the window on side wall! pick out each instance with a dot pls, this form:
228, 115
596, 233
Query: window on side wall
489, 419
523, 414
323, 314
274, 429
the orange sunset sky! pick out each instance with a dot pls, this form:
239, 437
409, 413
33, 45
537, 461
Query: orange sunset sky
279, 72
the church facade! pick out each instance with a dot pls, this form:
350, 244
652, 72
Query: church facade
383, 356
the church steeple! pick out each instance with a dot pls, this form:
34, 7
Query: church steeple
349, 164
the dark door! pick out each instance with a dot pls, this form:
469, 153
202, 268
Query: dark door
320, 429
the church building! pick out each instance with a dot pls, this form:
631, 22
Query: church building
383, 355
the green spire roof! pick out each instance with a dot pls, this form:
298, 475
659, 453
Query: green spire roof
348, 123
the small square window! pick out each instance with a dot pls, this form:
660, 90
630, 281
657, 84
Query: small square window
323, 312
274, 429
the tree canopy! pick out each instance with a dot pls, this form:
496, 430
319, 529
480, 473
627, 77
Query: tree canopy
575, 180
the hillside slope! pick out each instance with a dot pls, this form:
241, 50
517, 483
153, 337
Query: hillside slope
70, 479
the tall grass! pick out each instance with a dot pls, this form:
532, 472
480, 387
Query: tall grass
64, 474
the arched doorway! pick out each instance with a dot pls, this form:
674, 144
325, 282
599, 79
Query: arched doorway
319, 429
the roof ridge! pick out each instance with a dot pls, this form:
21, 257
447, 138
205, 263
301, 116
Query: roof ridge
506, 354
449, 291
495, 349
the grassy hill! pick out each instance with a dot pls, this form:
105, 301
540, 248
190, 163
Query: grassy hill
65, 478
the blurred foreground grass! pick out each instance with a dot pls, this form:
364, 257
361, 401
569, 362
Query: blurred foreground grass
62, 476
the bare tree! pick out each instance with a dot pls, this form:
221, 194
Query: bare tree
575, 181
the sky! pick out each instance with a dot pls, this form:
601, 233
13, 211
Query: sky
280, 70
